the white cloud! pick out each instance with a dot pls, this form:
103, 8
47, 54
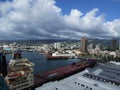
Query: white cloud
26, 19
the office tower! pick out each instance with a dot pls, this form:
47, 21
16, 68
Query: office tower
113, 44
57, 45
83, 45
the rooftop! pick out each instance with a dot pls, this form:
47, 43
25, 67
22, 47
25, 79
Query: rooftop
105, 73
101, 77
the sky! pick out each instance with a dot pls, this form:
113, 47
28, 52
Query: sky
59, 19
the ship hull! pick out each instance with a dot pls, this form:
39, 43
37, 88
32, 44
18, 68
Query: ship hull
57, 57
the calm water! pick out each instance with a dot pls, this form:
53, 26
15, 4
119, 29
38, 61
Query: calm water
41, 64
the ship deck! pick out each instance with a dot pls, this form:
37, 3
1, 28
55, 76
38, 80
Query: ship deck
60, 73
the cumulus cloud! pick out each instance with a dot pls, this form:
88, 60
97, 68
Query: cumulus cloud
42, 19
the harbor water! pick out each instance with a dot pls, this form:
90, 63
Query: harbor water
41, 63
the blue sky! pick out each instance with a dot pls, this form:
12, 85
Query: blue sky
63, 19
108, 7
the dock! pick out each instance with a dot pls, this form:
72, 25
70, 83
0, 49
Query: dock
63, 72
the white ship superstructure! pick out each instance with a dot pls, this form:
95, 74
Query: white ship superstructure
64, 54
20, 75
101, 77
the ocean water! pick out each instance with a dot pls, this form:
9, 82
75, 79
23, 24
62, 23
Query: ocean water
41, 63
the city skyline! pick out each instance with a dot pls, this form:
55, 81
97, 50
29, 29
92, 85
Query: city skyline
53, 19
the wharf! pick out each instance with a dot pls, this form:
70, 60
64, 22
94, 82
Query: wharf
63, 72
49, 57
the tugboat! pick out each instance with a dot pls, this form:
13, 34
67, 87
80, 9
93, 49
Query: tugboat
20, 73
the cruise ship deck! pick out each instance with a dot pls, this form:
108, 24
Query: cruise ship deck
101, 77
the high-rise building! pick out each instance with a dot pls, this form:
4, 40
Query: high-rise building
57, 45
83, 45
113, 44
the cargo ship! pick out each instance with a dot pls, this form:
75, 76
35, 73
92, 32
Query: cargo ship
62, 72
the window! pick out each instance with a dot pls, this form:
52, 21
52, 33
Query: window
96, 85
82, 85
90, 88
75, 82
